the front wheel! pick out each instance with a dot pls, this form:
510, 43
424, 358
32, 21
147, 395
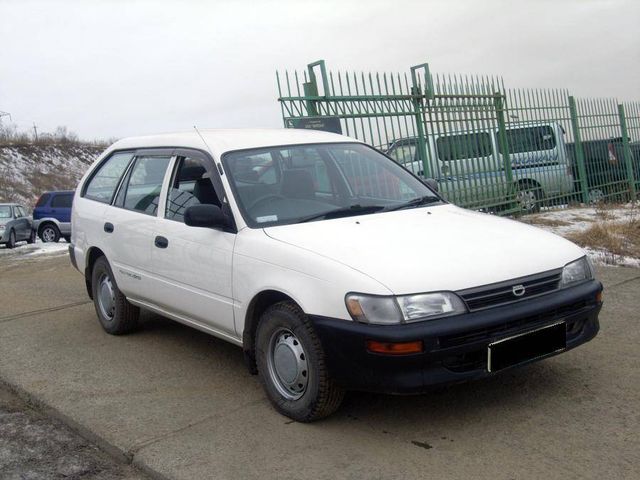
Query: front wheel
11, 243
292, 366
528, 197
117, 316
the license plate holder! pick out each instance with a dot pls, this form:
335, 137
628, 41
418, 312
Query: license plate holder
527, 346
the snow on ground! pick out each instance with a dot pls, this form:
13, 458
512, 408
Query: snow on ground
571, 221
24, 250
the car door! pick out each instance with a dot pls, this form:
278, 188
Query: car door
22, 223
129, 223
192, 265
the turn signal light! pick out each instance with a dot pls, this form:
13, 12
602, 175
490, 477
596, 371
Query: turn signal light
394, 348
599, 297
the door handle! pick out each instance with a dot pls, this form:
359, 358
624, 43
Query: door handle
108, 227
161, 242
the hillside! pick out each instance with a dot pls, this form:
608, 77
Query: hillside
28, 170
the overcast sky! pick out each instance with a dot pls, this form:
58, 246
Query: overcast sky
120, 68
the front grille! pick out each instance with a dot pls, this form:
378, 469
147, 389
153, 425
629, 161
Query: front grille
501, 293
513, 327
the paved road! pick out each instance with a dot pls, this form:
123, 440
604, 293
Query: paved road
180, 403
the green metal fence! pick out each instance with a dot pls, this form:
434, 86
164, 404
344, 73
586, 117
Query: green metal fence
490, 148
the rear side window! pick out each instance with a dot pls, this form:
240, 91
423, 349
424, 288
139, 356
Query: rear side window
530, 139
62, 201
43, 200
470, 145
103, 183
145, 183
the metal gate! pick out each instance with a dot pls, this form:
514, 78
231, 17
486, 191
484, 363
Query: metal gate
488, 148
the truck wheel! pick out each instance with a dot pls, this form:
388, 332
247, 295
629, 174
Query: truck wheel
117, 316
596, 195
11, 243
292, 366
32, 237
49, 233
528, 197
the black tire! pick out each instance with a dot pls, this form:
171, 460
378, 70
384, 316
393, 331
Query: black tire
32, 237
11, 243
67, 238
321, 396
49, 233
529, 197
123, 316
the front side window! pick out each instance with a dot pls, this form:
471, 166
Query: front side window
5, 211
142, 191
468, 145
104, 182
315, 182
191, 185
62, 201
529, 139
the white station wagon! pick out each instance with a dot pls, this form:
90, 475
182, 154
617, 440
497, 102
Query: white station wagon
333, 267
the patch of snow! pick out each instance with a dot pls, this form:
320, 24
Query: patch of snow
24, 250
578, 219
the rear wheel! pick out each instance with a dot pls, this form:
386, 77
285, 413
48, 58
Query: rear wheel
528, 197
49, 233
11, 243
292, 366
32, 237
117, 316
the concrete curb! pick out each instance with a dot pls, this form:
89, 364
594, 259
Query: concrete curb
109, 448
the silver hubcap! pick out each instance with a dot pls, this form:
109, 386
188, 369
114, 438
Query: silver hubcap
527, 199
287, 364
48, 235
596, 196
106, 297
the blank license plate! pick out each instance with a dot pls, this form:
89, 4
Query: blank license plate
526, 346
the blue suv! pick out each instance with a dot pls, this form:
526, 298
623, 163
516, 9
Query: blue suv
52, 216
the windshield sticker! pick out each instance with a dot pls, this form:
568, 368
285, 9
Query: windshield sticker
267, 218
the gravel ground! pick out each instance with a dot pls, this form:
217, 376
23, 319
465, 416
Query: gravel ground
35, 447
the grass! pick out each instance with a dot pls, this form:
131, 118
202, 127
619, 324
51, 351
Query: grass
620, 238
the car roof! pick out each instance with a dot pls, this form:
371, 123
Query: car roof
220, 141
53, 192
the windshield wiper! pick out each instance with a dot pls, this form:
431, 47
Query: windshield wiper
344, 212
416, 202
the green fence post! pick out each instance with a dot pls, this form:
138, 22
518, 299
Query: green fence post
498, 100
579, 152
417, 98
628, 159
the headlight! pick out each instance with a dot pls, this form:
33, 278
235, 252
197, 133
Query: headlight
382, 310
576, 272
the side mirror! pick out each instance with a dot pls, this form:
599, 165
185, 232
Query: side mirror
206, 216
432, 184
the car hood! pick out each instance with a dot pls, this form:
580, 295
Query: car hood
433, 248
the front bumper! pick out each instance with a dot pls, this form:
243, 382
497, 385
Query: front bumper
455, 348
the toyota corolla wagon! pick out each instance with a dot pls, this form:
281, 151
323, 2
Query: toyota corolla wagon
333, 267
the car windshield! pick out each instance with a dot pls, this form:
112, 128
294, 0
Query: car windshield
293, 184
5, 211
